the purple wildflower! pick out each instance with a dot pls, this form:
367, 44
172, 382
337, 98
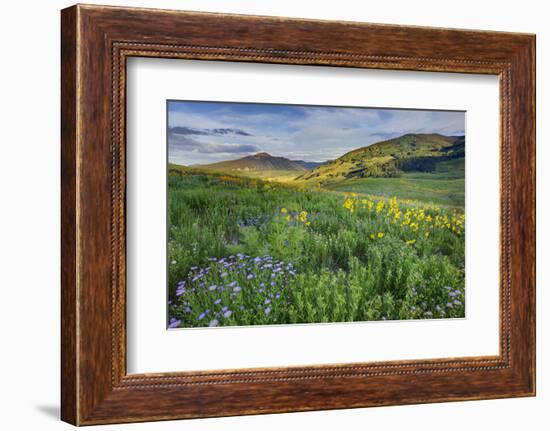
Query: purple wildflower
174, 323
227, 313
217, 301
212, 288
267, 310
213, 323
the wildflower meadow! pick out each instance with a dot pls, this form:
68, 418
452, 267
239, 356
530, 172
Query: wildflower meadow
252, 252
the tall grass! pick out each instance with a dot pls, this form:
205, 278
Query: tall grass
245, 252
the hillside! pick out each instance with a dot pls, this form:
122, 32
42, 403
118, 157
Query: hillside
260, 165
391, 158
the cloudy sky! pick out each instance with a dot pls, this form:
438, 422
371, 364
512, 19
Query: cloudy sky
208, 132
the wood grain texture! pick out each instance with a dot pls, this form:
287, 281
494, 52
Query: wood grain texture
69, 397
96, 41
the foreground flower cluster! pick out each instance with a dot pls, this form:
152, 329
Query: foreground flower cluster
229, 290
416, 219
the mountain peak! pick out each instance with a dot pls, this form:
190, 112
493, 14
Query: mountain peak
262, 154
262, 162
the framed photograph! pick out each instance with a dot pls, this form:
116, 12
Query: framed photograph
263, 214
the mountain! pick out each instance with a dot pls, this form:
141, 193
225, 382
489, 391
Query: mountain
391, 158
261, 165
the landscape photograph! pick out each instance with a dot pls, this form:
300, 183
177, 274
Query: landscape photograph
300, 214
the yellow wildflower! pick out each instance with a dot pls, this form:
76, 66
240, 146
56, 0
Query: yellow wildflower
349, 204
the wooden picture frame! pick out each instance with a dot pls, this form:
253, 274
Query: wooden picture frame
95, 43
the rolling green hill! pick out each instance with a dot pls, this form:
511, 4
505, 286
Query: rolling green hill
391, 158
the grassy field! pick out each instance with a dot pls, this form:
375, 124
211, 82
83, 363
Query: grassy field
425, 187
248, 252
444, 186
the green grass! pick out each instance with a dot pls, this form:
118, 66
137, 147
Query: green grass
425, 187
444, 186
268, 175
245, 252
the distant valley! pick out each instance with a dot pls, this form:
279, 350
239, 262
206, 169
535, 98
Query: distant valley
422, 166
